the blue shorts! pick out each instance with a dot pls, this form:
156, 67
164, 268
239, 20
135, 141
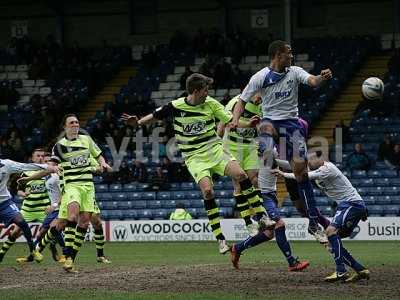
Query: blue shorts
8, 211
294, 136
270, 203
49, 218
348, 214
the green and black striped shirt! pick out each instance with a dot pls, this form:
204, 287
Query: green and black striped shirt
76, 159
38, 198
194, 125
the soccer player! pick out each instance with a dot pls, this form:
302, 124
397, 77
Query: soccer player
267, 183
35, 203
194, 120
278, 85
351, 209
240, 142
78, 200
48, 232
9, 212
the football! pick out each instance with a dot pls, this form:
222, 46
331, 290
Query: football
372, 88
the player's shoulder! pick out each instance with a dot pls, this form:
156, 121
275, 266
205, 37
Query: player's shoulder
262, 73
232, 102
211, 100
295, 69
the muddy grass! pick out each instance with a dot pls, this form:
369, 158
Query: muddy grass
250, 280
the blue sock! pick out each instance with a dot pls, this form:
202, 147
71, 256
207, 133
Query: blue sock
350, 261
307, 195
251, 241
283, 244
27, 233
337, 247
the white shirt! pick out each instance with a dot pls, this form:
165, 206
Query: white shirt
53, 188
266, 180
8, 167
279, 100
332, 182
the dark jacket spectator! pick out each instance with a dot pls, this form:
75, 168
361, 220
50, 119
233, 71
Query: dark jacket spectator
184, 76
139, 172
393, 160
385, 148
358, 160
159, 180
125, 173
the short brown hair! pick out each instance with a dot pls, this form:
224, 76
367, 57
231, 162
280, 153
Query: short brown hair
197, 81
37, 150
276, 47
64, 119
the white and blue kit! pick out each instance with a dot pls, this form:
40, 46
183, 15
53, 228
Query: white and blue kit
54, 192
351, 207
8, 209
279, 92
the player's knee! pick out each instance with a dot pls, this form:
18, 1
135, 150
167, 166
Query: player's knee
279, 224
269, 233
330, 230
208, 193
266, 127
240, 176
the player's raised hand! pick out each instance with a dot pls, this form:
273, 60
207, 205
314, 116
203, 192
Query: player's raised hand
130, 120
277, 172
53, 169
326, 74
106, 167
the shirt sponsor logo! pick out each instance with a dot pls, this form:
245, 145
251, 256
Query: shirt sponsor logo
37, 188
246, 132
80, 161
284, 94
194, 128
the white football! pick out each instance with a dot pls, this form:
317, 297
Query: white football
372, 88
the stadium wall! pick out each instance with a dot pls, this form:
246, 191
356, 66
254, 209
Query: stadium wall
375, 228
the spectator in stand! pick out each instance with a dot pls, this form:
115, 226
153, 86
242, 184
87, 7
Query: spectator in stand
239, 80
180, 213
345, 131
393, 161
394, 63
358, 160
159, 180
98, 133
222, 74
385, 148
184, 76
125, 173
139, 172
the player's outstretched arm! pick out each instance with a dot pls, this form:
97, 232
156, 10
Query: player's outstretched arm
237, 112
316, 81
34, 176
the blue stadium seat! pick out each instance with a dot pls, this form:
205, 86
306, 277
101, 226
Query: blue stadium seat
169, 204
395, 181
135, 196
163, 195
105, 215
383, 200
174, 186
99, 204
394, 190
370, 200
223, 193
179, 195
125, 205
285, 211
227, 212
120, 197
142, 186
108, 205
201, 213
228, 185
375, 210
374, 190
359, 174
389, 173
228, 202
194, 194
383, 181
139, 204
197, 203
144, 214
101, 196
366, 182
193, 212
218, 185
391, 210
116, 187
101, 187
129, 187
131, 214
149, 195
375, 174
326, 210
396, 199
160, 214
187, 186
154, 204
